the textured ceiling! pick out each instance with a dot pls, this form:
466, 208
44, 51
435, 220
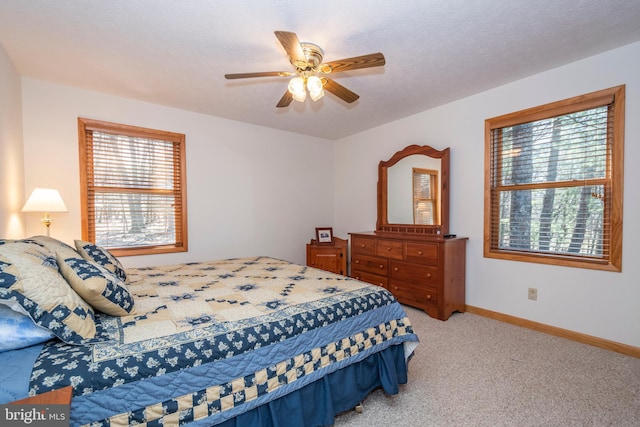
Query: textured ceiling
176, 53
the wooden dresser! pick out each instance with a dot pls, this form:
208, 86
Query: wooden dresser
421, 271
331, 258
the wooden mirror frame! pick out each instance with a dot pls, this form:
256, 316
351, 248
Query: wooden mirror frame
382, 225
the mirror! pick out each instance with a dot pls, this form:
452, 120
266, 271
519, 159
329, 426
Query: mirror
413, 192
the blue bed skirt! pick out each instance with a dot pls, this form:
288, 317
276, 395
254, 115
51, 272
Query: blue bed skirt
317, 404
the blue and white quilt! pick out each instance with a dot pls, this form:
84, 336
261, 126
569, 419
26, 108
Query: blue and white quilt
214, 339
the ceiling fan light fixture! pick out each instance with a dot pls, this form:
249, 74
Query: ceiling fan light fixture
306, 59
314, 84
316, 95
296, 88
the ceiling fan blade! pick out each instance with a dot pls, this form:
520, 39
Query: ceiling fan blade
285, 100
292, 46
259, 74
340, 91
364, 61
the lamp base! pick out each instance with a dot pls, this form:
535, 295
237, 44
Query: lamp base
47, 223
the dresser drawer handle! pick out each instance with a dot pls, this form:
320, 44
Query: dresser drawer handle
381, 266
363, 245
428, 296
389, 248
420, 252
395, 288
428, 274
396, 269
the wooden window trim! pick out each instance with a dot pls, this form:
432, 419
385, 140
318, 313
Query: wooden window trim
615, 95
84, 125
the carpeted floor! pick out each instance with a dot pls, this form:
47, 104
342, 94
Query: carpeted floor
474, 371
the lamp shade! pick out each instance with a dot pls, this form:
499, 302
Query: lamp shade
44, 200
314, 84
296, 88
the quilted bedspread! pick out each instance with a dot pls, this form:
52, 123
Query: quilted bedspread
213, 339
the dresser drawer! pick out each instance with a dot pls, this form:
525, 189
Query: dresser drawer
412, 293
424, 253
414, 273
368, 277
390, 249
370, 264
363, 245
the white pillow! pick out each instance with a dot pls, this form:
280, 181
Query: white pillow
18, 330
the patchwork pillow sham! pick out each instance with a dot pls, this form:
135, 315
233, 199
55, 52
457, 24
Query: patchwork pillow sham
18, 330
29, 278
102, 289
94, 253
54, 246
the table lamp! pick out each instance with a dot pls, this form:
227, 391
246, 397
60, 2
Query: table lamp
45, 200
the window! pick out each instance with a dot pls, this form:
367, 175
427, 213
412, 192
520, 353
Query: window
553, 182
425, 197
133, 188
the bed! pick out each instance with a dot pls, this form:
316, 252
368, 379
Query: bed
254, 341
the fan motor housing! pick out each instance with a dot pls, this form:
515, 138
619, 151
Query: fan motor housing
313, 54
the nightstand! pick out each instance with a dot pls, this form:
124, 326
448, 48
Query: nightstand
61, 396
331, 257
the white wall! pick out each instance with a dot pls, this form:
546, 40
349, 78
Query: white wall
602, 304
11, 165
250, 190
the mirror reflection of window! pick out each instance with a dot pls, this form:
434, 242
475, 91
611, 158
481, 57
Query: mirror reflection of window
400, 200
425, 189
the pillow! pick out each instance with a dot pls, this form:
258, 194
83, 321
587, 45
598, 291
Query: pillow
102, 289
54, 246
29, 278
18, 330
95, 253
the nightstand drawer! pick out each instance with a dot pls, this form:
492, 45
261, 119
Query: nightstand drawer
390, 249
414, 273
363, 245
370, 264
424, 253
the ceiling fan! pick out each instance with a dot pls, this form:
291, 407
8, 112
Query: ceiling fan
310, 71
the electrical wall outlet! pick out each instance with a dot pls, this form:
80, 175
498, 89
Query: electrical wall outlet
533, 294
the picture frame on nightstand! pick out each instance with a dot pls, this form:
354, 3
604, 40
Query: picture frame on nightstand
324, 235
